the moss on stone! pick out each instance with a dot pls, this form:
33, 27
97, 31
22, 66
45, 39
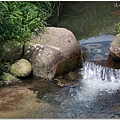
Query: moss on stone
21, 68
8, 77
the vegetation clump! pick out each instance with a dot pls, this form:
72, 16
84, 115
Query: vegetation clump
19, 19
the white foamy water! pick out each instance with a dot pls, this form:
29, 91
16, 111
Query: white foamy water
96, 80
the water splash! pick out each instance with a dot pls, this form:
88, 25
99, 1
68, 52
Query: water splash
91, 97
96, 80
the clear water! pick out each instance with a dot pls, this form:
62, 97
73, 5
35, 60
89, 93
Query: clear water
92, 97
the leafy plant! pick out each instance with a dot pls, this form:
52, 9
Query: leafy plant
19, 19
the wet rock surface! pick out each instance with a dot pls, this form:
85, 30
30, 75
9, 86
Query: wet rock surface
64, 82
68, 79
115, 48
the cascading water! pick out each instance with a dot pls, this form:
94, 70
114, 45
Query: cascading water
97, 79
91, 97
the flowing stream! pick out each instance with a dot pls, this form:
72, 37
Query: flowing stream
96, 93
93, 96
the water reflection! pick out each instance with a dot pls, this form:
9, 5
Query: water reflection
96, 48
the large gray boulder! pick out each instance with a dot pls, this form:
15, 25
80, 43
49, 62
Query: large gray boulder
11, 51
115, 48
54, 52
21, 68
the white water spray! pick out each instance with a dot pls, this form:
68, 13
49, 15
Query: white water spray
97, 79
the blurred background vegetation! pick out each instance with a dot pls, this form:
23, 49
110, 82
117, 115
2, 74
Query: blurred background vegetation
90, 18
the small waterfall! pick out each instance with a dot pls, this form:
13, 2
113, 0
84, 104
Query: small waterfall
91, 97
96, 80
94, 71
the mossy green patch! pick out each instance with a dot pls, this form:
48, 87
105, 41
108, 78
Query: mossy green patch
21, 68
8, 77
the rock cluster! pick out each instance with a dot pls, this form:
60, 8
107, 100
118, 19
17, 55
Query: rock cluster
55, 52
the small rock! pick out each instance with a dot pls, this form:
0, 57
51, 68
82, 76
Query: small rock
21, 68
64, 82
9, 79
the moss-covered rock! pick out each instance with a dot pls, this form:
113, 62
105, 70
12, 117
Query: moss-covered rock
8, 76
9, 79
21, 68
11, 51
